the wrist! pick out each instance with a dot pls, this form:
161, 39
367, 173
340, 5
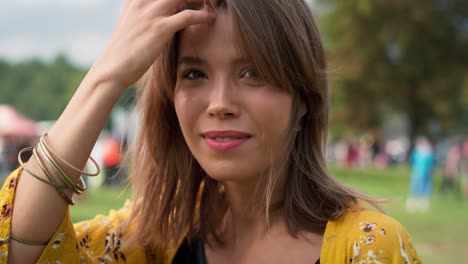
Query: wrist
103, 83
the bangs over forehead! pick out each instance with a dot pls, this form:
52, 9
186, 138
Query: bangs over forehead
282, 40
224, 26
247, 22
279, 38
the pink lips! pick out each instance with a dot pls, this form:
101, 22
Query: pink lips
225, 140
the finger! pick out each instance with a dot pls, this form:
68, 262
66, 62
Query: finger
188, 17
180, 5
169, 5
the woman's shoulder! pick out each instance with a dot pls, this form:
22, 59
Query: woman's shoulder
363, 233
115, 218
363, 219
103, 237
366, 226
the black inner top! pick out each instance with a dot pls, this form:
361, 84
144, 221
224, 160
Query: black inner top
194, 253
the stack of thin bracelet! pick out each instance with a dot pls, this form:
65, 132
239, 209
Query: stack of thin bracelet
43, 153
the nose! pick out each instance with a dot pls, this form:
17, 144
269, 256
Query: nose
223, 100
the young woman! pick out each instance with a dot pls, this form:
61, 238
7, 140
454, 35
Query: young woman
229, 164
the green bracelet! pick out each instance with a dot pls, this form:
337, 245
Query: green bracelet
28, 242
20, 161
43, 168
98, 169
52, 182
58, 188
75, 187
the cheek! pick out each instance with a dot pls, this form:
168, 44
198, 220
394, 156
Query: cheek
274, 115
277, 129
185, 109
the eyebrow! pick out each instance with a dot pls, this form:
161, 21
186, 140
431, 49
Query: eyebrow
191, 60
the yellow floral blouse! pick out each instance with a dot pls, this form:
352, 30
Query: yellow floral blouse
358, 237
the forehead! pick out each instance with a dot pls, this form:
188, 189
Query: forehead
210, 41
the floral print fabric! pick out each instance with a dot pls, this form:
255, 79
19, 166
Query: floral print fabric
363, 236
359, 236
95, 241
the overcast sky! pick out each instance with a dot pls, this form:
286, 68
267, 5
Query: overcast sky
43, 28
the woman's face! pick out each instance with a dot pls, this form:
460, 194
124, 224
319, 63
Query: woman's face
234, 123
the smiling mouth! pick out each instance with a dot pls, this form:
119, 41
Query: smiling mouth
225, 144
223, 135
223, 141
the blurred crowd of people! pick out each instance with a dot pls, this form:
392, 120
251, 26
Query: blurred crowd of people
423, 161
367, 151
423, 158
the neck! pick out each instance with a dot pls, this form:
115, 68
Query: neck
245, 222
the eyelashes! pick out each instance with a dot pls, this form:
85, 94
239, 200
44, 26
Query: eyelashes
249, 73
192, 74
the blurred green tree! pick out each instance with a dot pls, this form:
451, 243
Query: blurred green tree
42, 90
408, 57
37, 89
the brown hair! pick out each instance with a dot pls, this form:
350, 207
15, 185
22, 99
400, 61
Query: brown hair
174, 196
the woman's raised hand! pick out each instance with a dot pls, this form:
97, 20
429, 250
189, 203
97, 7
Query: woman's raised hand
144, 28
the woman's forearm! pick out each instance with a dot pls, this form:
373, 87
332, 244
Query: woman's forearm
142, 32
38, 207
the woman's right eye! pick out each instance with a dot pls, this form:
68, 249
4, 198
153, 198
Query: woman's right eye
193, 75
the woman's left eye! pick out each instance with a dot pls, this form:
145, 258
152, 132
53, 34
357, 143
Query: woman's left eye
249, 73
193, 75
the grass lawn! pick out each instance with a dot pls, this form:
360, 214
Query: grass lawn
98, 201
441, 235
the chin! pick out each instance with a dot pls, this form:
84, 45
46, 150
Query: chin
230, 174
224, 175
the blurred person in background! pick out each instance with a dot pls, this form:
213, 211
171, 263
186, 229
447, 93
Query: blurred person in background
422, 168
464, 169
229, 164
364, 151
453, 169
376, 146
112, 159
352, 154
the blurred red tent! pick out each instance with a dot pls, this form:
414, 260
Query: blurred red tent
14, 124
